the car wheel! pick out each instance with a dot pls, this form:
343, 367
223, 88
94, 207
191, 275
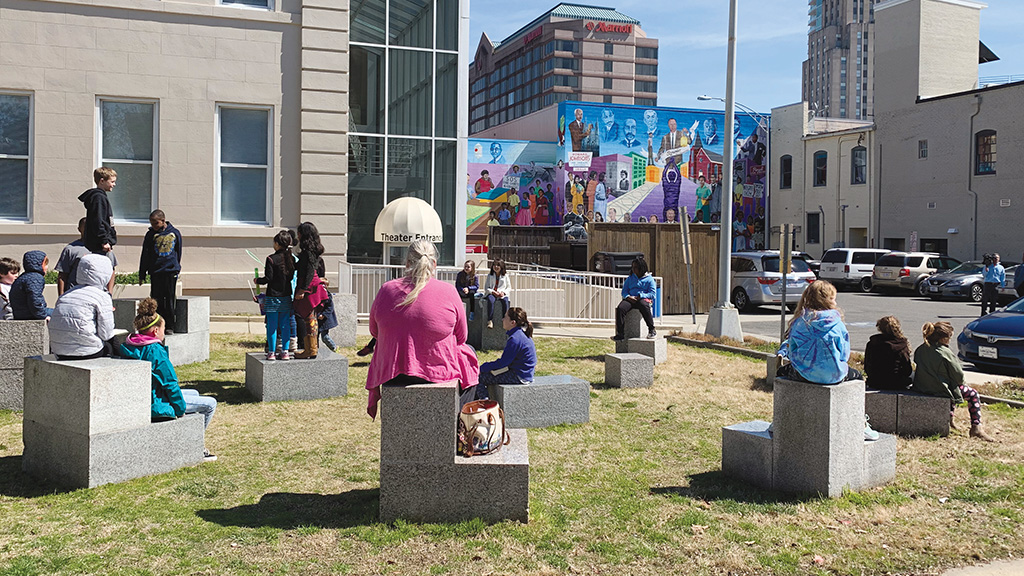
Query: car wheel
865, 284
740, 300
922, 287
977, 292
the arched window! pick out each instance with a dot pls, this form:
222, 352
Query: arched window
985, 152
820, 168
786, 172
859, 165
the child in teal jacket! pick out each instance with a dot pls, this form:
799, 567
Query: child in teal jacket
169, 401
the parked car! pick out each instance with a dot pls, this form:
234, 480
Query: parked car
814, 265
967, 281
756, 280
1008, 292
848, 267
909, 270
995, 341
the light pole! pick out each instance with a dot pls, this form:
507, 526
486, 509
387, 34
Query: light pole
724, 319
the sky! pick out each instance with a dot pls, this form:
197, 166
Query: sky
772, 43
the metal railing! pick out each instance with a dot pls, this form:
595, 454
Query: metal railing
550, 294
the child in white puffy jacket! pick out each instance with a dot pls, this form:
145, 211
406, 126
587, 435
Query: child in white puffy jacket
82, 323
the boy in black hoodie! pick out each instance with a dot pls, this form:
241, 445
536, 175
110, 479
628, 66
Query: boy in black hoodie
100, 236
161, 259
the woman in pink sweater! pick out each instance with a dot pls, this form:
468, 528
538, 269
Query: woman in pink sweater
420, 326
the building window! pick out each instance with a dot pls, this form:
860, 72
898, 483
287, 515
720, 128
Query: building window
645, 86
922, 149
647, 69
243, 164
607, 65
607, 99
859, 165
651, 53
609, 48
646, 101
128, 144
249, 3
985, 152
786, 172
820, 168
813, 235
15, 152
607, 83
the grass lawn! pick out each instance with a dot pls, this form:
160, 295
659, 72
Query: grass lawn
638, 490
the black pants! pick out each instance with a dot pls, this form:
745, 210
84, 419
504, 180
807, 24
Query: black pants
989, 297
162, 287
108, 350
625, 306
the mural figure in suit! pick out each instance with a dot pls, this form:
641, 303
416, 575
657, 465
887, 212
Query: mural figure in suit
577, 131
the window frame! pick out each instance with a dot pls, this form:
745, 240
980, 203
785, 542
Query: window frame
785, 174
28, 158
858, 177
922, 149
816, 239
154, 193
218, 164
269, 7
978, 136
824, 169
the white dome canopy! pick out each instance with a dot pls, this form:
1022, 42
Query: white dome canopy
406, 220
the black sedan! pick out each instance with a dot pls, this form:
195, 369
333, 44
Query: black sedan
996, 341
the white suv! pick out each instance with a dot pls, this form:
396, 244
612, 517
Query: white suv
850, 266
909, 270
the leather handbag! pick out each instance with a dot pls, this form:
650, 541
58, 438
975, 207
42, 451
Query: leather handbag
481, 428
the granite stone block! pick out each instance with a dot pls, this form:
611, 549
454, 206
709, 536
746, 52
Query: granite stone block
188, 347
921, 415
22, 338
547, 401
58, 455
192, 314
880, 407
12, 390
621, 346
629, 370
879, 461
656, 348
771, 369
418, 422
124, 313
818, 437
325, 376
493, 338
633, 325
477, 324
747, 453
344, 334
88, 397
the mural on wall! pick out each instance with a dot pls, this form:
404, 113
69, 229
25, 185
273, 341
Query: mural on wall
511, 183
638, 164
620, 164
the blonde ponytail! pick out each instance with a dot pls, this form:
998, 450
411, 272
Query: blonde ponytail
420, 263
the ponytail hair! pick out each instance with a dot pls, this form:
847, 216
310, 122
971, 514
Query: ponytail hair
935, 334
146, 317
284, 239
420, 262
518, 316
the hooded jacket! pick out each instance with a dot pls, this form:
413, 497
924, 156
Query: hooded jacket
887, 363
83, 318
26, 296
645, 288
167, 401
938, 372
98, 227
818, 346
161, 252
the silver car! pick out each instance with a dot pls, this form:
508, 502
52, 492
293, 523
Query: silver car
967, 281
756, 280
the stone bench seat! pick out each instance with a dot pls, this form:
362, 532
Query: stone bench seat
190, 342
19, 339
88, 423
628, 370
547, 401
325, 376
656, 348
422, 479
907, 413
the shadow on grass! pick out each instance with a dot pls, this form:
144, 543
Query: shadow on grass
16, 484
761, 385
288, 511
715, 485
251, 344
224, 391
594, 357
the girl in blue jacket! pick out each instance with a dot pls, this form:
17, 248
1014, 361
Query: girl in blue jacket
519, 359
169, 400
817, 343
638, 291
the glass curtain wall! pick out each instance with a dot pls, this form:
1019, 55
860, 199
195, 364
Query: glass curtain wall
403, 115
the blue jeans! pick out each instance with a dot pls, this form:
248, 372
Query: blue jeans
279, 322
487, 377
491, 299
194, 403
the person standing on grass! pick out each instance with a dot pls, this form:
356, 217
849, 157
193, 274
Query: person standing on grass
995, 277
939, 374
161, 259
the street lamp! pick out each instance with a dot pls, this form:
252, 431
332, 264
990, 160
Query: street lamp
761, 120
723, 318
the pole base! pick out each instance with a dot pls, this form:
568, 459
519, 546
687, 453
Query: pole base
724, 323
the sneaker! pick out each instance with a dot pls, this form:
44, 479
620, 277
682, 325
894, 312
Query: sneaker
651, 334
284, 355
365, 351
271, 356
869, 434
207, 457
617, 338
490, 324
329, 342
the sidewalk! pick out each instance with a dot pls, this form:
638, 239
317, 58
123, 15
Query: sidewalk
1001, 568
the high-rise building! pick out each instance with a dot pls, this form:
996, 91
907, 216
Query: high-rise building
838, 75
571, 52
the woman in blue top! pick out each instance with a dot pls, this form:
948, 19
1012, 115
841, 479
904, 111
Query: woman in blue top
637, 292
519, 359
817, 343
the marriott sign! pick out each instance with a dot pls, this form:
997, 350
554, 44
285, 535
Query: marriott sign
607, 27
